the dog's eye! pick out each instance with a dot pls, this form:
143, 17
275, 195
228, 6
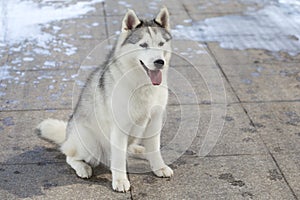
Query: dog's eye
144, 45
161, 44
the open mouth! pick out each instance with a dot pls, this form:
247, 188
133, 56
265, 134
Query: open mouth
155, 75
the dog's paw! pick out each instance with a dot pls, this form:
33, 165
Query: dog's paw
164, 172
121, 185
84, 171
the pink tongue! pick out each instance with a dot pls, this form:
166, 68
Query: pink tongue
155, 76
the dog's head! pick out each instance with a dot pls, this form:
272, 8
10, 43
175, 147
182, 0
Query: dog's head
147, 43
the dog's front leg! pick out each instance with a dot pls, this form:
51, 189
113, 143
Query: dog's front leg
152, 146
118, 144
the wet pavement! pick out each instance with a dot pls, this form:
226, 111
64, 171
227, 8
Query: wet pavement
232, 128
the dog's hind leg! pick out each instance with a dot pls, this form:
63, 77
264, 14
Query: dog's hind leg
83, 170
76, 153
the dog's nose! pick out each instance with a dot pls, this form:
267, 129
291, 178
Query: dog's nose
159, 63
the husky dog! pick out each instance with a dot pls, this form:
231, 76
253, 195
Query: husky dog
121, 108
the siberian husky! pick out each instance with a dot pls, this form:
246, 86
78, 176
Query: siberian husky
121, 108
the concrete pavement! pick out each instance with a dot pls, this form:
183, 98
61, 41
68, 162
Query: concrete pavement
252, 94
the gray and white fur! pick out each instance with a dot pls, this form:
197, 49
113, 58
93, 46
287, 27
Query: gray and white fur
121, 107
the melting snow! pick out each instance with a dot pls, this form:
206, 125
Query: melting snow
86, 36
24, 20
50, 63
4, 72
41, 51
44, 77
276, 27
28, 59
123, 3
71, 51
292, 2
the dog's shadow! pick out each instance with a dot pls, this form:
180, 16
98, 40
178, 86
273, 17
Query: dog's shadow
33, 172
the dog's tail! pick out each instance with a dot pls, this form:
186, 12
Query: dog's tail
53, 130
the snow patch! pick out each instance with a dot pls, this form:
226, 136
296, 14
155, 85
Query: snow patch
44, 77
95, 24
70, 51
4, 73
87, 67
187, 21
274, 28
28, 59
24, 20
123, 3
291, 2
41, 51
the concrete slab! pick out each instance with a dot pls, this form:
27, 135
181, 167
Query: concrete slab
290, 166
227, 131
49, 89
198, 85
119, 8
55, 180
197, 17
190, 53
19, 142
12, 86
4, 55
53, 89
87, 27
237, 135
264, 82
213, 178
67, 53
263, 69
278, 125
250, 56
219, 6
42, 89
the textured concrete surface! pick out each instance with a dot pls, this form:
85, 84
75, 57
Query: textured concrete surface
216, 178
245, 103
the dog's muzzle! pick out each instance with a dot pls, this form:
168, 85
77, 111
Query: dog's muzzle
155, 75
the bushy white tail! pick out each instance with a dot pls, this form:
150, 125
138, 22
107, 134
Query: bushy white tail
53, 130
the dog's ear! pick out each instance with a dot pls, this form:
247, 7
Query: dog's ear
130, 21
163, 18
